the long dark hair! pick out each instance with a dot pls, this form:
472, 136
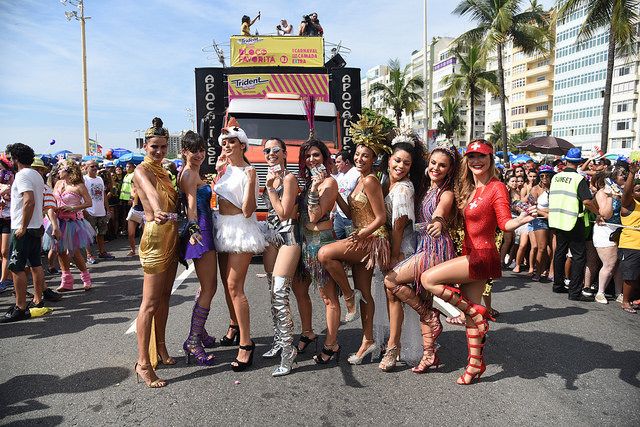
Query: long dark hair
303, 172
449, 180
418, 167
282, 145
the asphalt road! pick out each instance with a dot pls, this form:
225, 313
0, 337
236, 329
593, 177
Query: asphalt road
550, 361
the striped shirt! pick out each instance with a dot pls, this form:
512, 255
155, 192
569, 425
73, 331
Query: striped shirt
49, 201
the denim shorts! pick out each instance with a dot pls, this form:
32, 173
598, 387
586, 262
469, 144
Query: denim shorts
539, 224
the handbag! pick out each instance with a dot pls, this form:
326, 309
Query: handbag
615, 236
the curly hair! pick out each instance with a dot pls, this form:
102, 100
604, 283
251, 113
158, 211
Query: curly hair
74, 171
21, 152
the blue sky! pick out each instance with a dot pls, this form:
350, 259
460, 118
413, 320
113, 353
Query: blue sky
141, 56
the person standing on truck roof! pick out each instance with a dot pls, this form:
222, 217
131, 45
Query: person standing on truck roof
284, 28
347, 179
245, 28
310, 26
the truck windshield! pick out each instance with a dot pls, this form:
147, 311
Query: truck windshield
287, 128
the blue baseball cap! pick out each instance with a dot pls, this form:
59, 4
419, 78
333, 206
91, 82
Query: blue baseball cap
574, 155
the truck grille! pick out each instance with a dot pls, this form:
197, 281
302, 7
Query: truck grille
261, 170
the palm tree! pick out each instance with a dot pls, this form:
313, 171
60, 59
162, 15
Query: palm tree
621, 16
400, 94
500, 22
472, 78
516, 138
449, 122
495, 133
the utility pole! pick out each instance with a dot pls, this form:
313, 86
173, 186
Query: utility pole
425, 76
74, 15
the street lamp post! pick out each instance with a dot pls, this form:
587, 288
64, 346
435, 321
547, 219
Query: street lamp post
80, 17
425, 76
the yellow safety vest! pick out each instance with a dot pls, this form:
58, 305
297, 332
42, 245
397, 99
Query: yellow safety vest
125, 190
564, 206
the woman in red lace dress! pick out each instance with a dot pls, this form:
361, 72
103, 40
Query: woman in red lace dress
485, 204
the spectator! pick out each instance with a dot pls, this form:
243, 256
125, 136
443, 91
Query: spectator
568, 196
96, 214
125, 197
27, 229
629, 246
347, 179
245, 28
6, 179
284, 28
310, 26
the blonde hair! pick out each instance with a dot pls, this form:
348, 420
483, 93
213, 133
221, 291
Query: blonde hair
74, 171
465, 182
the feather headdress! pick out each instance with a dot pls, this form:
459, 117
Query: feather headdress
370, 133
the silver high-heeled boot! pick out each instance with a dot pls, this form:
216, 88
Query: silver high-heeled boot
280, 301
275, 348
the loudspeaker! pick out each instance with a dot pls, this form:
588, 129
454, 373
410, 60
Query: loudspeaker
336, 61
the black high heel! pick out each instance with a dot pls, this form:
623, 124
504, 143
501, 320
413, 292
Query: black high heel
327, 352
241, 366
306, 341
225, 341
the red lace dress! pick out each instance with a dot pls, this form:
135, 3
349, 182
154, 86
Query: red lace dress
489, 208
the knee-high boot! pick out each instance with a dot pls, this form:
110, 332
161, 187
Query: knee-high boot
284, 321
193, 345
275, 346
476, 312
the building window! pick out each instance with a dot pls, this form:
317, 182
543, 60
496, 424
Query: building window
541, 122
541, 78
543, 63
517, 96
622, 124
517, 110
517, 124
519, 69
544, 107
621, 142
624, 87
622, 71
622, 107
518, 83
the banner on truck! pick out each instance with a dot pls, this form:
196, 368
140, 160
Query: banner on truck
345, 94
258, 85
274, 51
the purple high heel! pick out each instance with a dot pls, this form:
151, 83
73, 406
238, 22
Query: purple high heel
193, 345
207, 340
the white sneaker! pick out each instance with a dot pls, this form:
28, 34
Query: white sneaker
567, 282
507, 259
601, 298
619, 299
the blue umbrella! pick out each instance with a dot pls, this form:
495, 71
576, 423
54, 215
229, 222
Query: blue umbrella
136, 159
96, 158
119, 152
177, 162
501, 154
521, 158
62, 153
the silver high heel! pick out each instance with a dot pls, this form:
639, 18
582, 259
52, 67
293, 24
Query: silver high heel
371, 350
273, 352
286, 362
357, 298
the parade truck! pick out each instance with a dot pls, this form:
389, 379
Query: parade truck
264, 90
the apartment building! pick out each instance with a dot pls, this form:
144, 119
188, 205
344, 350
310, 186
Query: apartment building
445, 63
528, 92
580, 73
377, 74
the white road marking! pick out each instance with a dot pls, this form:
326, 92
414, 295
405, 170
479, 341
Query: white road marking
181, 278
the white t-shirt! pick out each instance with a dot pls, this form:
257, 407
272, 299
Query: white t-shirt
96, 191
346, 183
26, 180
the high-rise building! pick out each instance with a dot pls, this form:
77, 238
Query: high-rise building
580, 73
445, 63
528, 84
173, 146
377, 74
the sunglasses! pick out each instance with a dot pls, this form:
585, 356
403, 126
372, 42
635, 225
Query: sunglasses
274, 150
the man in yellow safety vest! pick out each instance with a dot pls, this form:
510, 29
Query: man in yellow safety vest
569, 195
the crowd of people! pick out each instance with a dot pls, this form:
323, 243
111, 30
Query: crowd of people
309, 26
427, 229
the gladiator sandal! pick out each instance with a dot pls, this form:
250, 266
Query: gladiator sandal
86, 279
284, 324
430, 359
475, 361
422, 307
66, 282
476, 312
193, 345
275, 346
390, 358
207, 340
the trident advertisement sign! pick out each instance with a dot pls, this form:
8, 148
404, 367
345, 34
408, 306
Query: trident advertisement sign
258, 85
274, 51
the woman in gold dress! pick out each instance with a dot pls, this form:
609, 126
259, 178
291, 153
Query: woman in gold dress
158, 250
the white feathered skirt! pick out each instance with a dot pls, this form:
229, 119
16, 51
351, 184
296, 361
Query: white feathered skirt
238, 234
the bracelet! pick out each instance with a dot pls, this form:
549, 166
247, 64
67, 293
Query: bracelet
440, 220
313, 198
271, 190
193, 228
